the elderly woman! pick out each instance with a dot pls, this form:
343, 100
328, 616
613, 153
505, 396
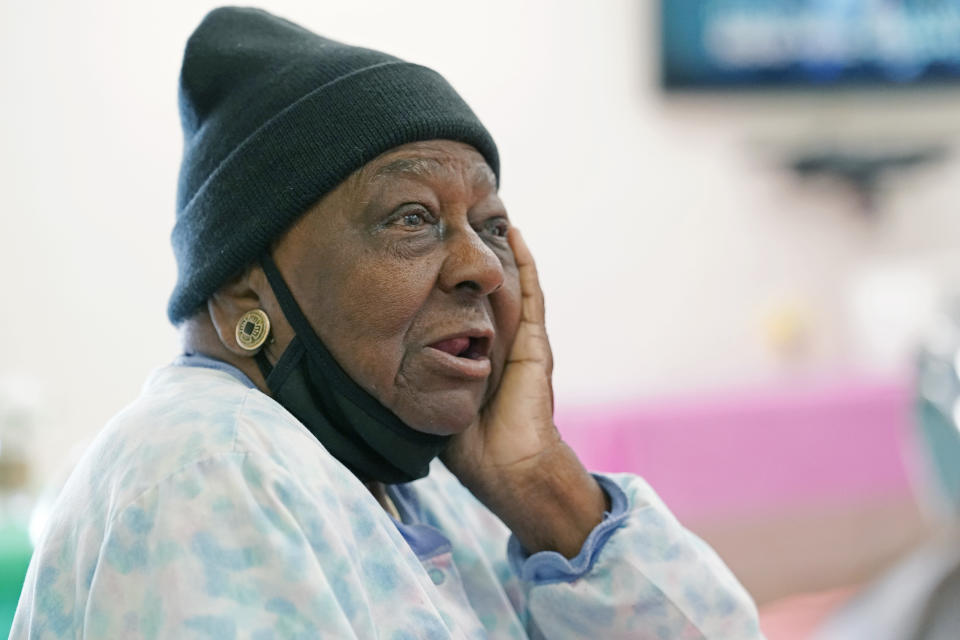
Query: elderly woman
358, 441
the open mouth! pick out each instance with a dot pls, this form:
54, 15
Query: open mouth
470, 347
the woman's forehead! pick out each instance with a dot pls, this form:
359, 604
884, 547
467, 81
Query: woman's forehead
426, 160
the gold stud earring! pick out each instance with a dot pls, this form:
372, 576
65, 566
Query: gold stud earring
253, 329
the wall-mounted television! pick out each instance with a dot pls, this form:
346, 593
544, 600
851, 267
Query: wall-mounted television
710, 45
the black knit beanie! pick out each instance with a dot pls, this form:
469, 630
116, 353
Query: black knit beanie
274, 117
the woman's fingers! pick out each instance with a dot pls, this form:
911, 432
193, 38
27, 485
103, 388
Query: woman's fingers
531, 344
530, 291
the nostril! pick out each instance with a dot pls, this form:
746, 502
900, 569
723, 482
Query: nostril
472, 285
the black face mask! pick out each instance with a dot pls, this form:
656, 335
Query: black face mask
353, 426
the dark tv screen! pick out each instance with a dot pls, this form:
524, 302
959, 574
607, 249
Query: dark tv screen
804, 44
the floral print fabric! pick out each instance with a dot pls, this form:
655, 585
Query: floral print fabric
206, 510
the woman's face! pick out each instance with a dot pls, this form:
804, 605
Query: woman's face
405, 273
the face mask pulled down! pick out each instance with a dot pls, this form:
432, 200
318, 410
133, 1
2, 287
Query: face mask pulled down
351, 424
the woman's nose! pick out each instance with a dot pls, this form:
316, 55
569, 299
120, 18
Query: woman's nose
470, 265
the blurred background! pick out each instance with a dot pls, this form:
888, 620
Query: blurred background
743, 212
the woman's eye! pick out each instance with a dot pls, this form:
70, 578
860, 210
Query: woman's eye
498, 227
412, 219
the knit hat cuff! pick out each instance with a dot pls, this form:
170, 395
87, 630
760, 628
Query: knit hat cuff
278, 172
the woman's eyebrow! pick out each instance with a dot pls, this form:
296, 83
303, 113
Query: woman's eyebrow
420, 167
426, 167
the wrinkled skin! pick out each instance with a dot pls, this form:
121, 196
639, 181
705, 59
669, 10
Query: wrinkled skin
409, 250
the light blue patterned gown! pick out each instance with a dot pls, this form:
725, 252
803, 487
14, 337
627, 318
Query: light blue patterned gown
206, 510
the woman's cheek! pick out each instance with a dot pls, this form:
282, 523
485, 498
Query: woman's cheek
506, 309
507, 304
392, 297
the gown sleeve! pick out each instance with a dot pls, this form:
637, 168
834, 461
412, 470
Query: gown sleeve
640, 574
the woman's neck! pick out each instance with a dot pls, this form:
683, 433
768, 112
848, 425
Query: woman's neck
379, 492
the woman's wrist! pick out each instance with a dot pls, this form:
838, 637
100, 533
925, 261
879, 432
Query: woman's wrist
550, 503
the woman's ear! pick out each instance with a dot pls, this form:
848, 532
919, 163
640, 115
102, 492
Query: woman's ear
229, 309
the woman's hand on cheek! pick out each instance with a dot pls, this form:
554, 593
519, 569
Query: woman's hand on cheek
513, 458
516, 426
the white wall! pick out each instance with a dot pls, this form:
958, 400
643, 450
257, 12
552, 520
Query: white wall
673, 254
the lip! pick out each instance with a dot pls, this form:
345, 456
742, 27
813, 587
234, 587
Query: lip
456, 367
477, 368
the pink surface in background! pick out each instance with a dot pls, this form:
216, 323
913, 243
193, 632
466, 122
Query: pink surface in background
716, 456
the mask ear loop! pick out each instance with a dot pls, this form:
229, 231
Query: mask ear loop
265, 367
291, 310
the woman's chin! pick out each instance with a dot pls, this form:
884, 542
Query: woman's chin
445, 416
